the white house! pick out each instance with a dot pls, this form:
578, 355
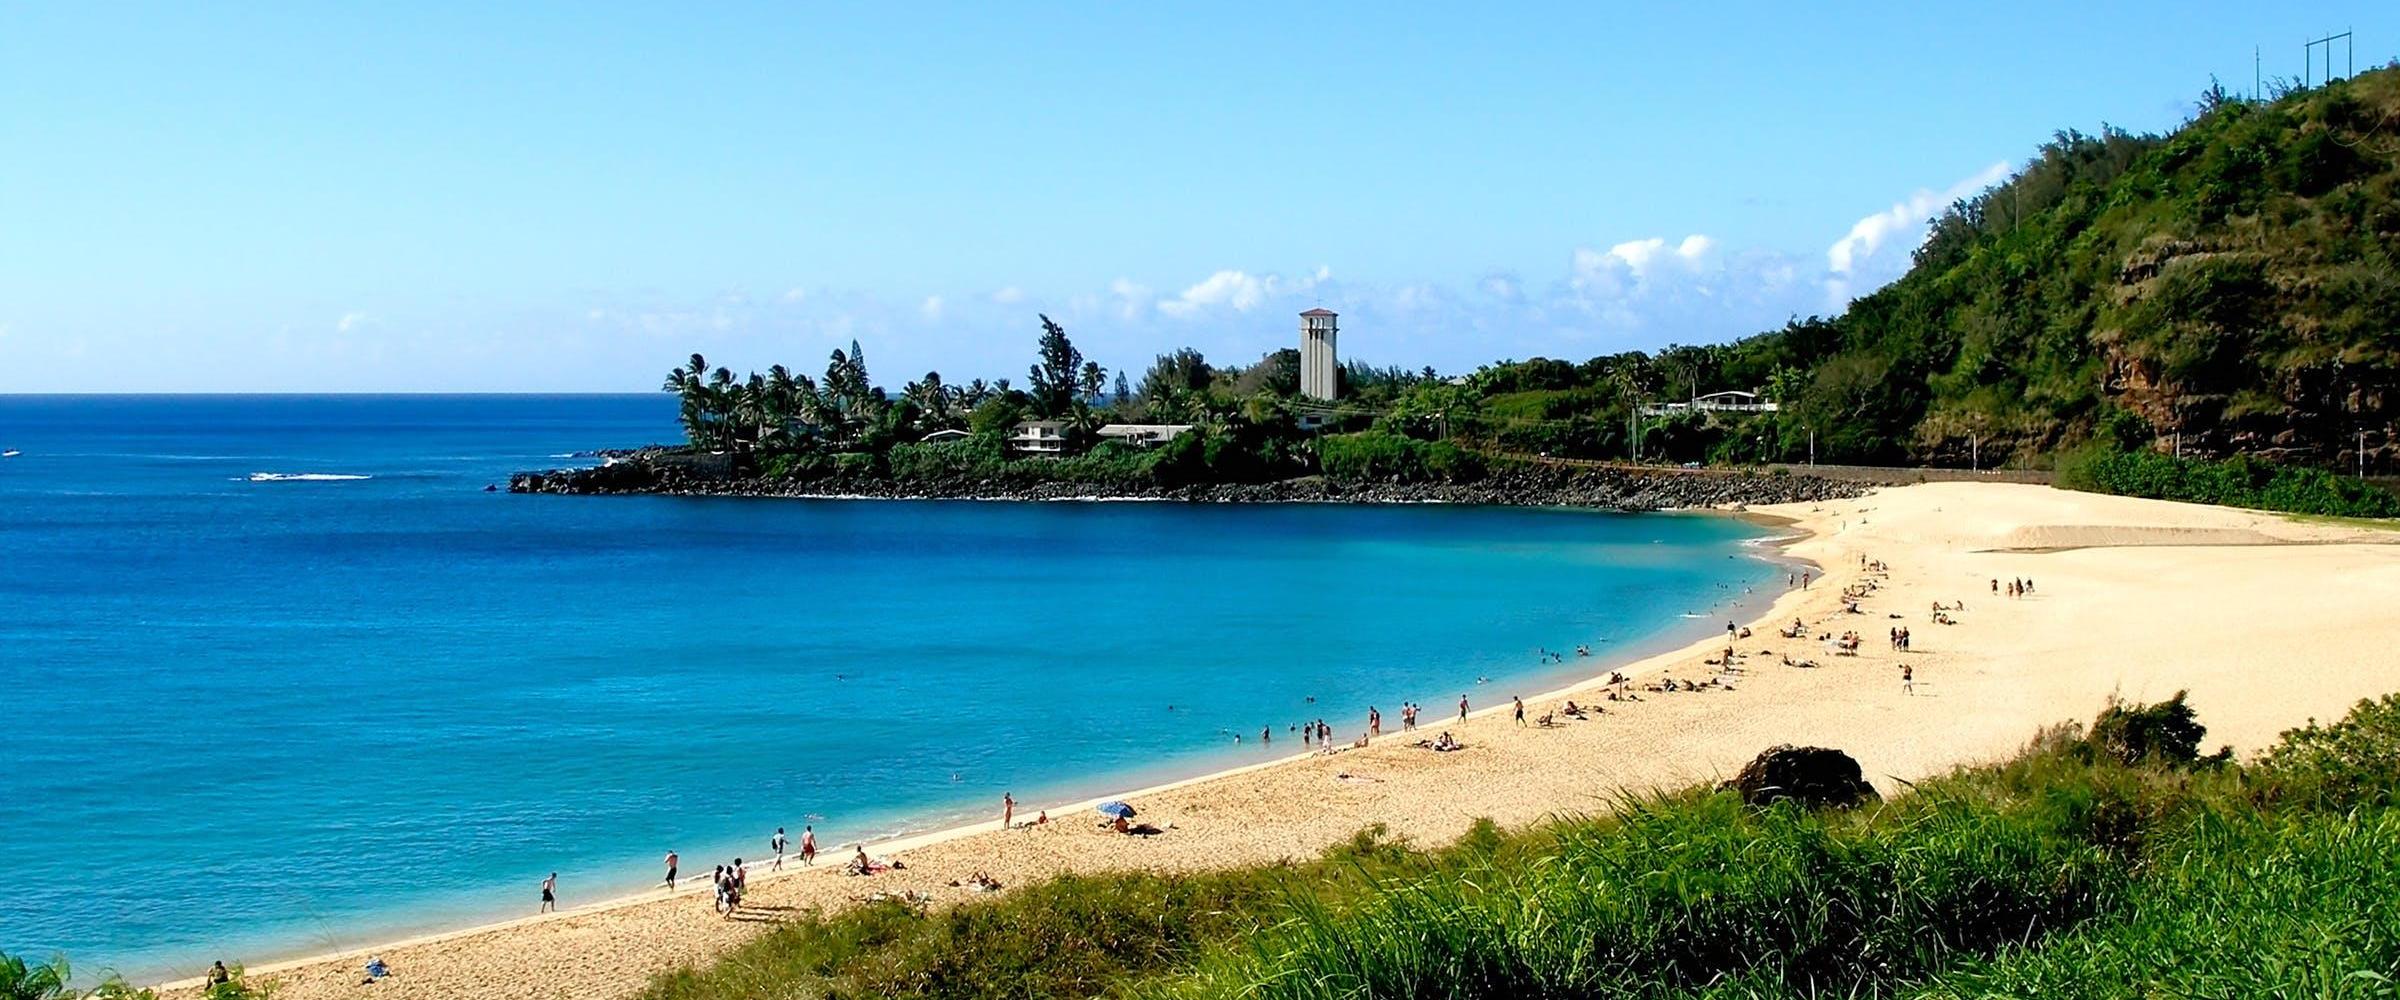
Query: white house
1142, 435
1039, 437
1729, 401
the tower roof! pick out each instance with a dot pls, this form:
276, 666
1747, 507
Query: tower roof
1320, 311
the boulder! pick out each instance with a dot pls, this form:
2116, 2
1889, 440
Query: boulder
1815, 777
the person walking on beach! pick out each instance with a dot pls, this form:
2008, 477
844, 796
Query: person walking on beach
549, 894
1520, 709
1908, 679
1462, 708
1374, 721
1008, 809
808, 845
777, 844
670, 873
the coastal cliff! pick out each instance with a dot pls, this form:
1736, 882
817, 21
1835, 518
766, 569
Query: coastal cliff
679, 473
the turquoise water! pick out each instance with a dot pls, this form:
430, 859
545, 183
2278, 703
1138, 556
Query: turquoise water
252, 716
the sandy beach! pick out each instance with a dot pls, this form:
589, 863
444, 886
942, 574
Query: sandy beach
2267, 621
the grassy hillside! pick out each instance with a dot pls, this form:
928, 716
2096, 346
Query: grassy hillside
2119, 863
2232, 287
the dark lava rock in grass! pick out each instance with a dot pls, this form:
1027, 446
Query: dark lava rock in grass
1813, 776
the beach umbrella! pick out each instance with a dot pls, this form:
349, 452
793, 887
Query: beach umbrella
1117, 809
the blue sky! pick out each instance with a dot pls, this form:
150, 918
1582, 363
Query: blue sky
494, 197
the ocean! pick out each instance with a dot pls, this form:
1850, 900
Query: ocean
282, 677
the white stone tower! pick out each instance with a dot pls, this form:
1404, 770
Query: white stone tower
1319, 367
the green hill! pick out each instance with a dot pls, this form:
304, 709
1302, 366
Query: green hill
2230, 288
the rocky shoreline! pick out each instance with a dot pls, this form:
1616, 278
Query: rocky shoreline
657, 472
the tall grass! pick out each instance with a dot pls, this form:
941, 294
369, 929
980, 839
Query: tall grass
2074, 869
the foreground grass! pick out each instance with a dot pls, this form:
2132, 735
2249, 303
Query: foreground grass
2067, 871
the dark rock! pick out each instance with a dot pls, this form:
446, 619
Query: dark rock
1815, 777
679, 472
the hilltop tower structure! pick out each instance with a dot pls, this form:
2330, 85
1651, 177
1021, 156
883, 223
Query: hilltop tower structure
1320, 368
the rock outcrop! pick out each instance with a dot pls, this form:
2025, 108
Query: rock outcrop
1815, 777
661, 471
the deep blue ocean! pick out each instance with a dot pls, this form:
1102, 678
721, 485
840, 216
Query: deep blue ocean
281, 677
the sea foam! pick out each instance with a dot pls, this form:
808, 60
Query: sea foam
304, 477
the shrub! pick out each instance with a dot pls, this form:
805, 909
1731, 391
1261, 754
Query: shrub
2354, 760
2240, 481
1383, 457
2163, 733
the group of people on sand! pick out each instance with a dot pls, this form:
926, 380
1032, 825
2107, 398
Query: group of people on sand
1900, 639
780, 843
728, 882
1008, 813
2016, 588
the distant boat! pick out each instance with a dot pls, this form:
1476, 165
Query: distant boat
11, 453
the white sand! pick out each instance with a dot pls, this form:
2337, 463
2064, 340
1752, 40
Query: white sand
2268, 622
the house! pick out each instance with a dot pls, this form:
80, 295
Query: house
945, 436
1039, 437
1729, 401
1142, 435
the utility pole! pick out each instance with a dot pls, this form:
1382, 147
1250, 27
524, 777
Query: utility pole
2309, 57
2362, 454
1974, 453
1812, 446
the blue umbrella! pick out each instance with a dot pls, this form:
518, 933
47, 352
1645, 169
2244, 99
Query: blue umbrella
1117, 809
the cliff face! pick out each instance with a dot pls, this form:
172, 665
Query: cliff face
2231, 287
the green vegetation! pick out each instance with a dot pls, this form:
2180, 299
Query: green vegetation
2118, 863
2240, 481
2226, 290
2232, 285
52, 980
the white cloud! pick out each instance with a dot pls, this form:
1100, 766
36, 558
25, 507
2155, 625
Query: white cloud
931, 308
1849, 255
1009, 296
350, 321
1240, 290
795, 294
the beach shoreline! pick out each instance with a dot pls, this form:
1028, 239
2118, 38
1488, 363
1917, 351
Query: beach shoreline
2129, 613
1773, 549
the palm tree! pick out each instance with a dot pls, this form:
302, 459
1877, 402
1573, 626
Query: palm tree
43, 981
933, 399
701, 398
